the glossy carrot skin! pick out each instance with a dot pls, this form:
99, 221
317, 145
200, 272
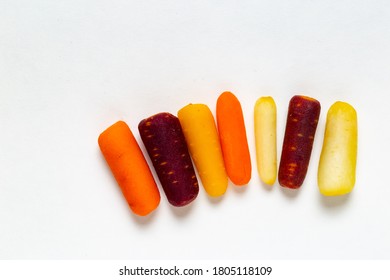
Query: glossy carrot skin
129, 167
302, 120
164, 140
202, 139
234, 143
265, 138
337, 166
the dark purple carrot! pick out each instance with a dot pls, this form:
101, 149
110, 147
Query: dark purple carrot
165, 143
302, 120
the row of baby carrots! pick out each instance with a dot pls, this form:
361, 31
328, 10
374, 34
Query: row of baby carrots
221, 152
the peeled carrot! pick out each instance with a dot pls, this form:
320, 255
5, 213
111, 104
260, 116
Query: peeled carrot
302, 120
129, 168
265, 137
337, 167
233, 138
202, 139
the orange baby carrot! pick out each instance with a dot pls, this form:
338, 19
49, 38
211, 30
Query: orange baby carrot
233, 138
129, 168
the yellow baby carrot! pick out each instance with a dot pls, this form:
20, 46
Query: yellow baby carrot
337, 167
202, 138
265, 139
129, 168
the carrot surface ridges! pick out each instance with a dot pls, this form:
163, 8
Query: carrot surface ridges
337, 166
164, 140
202, 139
232, 135
265, 139
302, 120
129, 167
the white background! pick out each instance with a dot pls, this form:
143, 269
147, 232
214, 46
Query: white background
69, 69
